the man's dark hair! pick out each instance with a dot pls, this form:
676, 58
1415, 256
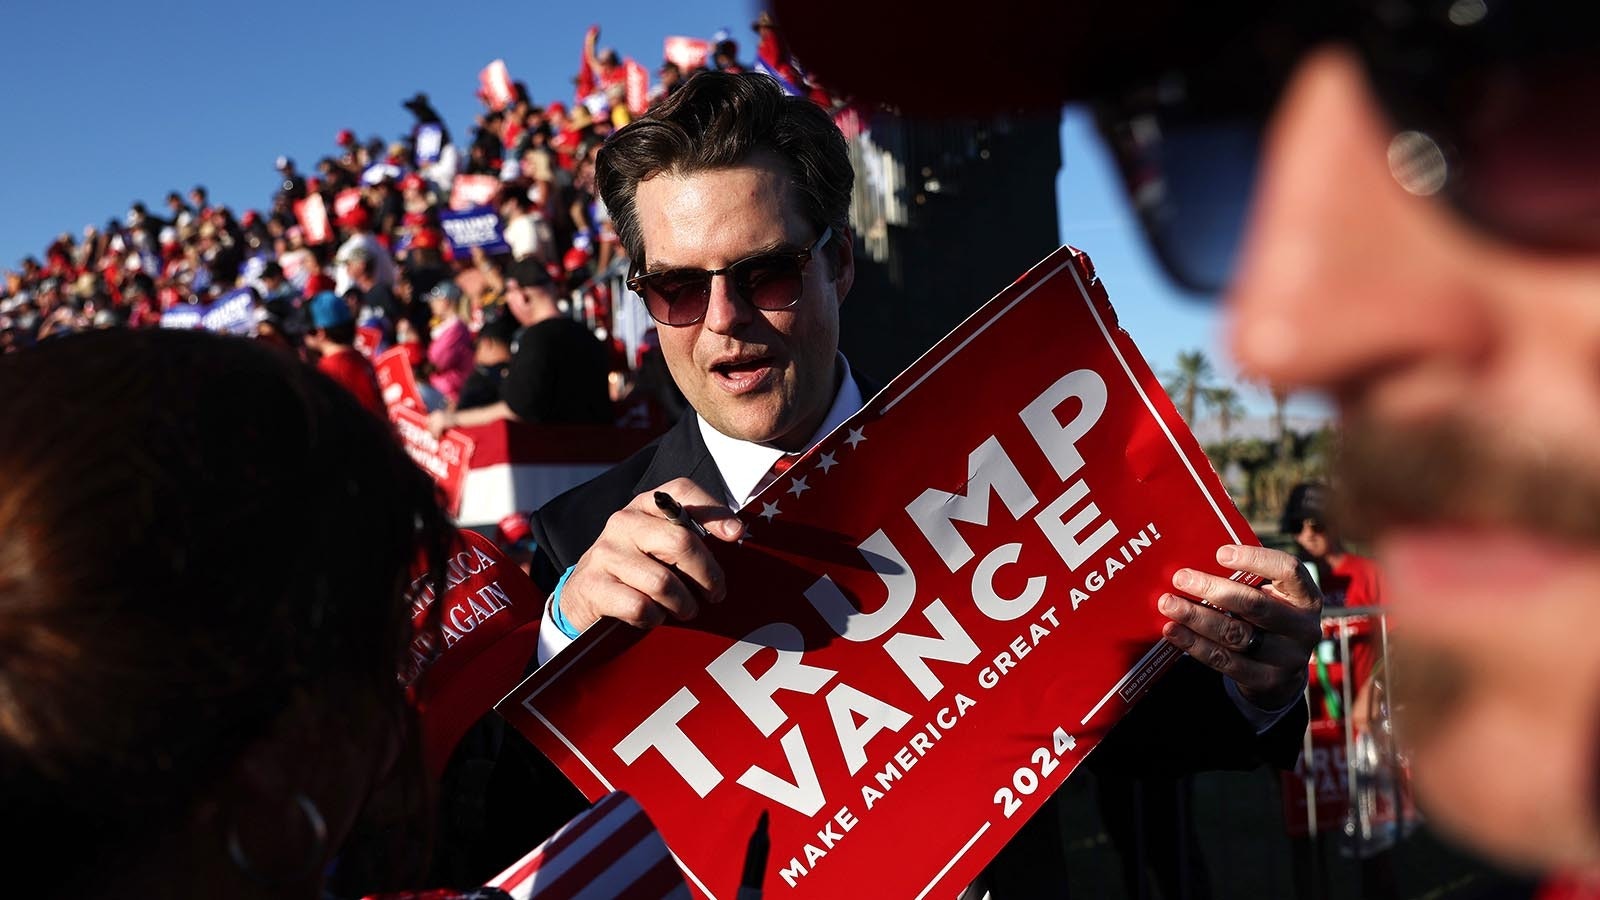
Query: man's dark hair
715, 121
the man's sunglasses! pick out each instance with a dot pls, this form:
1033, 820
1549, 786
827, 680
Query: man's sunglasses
1492, 104
769, 281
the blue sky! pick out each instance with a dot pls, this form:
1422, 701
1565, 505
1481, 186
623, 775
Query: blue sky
120, 102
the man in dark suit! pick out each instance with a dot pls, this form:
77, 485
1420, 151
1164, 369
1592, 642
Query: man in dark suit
731, 200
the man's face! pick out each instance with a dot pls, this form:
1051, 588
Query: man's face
1465, 370
756, 375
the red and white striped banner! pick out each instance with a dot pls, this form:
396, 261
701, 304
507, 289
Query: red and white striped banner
516, 467
612, 850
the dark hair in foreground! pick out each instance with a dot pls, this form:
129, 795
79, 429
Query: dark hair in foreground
717, 120
197, 537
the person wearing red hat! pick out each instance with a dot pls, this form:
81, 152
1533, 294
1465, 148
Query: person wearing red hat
359, 222
515, 539
427, 238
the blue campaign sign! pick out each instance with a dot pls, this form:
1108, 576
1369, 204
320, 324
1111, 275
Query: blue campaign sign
232, 313
477, 226
182, 315
250, 272
430, 143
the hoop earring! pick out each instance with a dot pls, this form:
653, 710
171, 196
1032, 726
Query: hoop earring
319, 847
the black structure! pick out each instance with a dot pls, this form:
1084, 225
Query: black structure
946, 215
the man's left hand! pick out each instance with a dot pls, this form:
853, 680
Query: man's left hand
1266, 642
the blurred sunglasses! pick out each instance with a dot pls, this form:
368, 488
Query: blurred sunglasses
1491, 104
767, 281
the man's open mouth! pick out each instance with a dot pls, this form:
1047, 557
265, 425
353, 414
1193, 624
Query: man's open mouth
742, 373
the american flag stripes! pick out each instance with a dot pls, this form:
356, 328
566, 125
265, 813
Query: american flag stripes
612, 850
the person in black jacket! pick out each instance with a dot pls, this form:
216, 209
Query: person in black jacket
738, 234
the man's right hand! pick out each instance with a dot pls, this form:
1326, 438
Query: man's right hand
645, 567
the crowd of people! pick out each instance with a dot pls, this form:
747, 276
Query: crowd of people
197, 712
354, 254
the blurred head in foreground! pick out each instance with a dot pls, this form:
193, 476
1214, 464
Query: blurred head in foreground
202, 547
1400, 201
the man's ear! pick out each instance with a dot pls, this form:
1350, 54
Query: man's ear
844, 262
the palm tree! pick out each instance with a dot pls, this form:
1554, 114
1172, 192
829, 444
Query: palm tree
1187, 386
1225, 404
1280, 416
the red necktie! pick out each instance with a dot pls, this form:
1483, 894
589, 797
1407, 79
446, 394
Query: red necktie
784, 464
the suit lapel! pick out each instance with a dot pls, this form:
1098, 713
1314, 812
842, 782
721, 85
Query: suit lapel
682, 453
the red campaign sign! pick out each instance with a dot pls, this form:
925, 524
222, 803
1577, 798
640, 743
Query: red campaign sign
312, 214
397, 381
445, 457
473, 190
368, 339
477, 645
686, 53
345, 202
494, 85
638, 81
913, 657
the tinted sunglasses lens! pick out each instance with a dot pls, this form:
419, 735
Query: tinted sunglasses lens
1190, 183
677, 298
769, 282
1496, 115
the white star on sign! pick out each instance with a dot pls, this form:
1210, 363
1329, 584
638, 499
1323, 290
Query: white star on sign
799, 487
826, 462
768, 510
855, 437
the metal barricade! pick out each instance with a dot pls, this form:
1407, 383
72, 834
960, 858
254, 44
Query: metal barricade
1350, 780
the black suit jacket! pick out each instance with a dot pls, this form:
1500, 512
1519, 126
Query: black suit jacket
566, 526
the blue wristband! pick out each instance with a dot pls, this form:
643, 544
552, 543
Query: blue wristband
555, 607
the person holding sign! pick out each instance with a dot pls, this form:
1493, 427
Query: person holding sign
731, 200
